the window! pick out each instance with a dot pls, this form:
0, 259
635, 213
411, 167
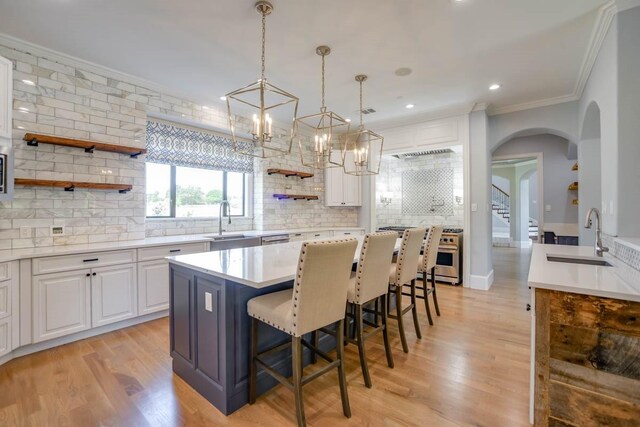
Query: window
187, 192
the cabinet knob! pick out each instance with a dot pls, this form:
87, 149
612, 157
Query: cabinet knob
88, 274
94, 274
528, 307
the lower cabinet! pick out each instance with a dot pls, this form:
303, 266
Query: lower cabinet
113, 294
61, 304
153, 286
70, 302
5, 336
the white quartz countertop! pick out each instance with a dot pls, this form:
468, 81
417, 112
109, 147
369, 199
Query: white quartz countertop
618, 281
257, 267
26, 253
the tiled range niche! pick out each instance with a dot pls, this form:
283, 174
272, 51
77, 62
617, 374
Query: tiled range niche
421, 190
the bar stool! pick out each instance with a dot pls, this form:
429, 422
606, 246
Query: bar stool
427, 264
404, 272
318, 299
370, 284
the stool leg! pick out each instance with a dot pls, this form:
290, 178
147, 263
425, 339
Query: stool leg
426, 297
375, 309
433, 287
403, 338
297, 378
346, 408
414, 309
253, 368
314, 342
361, 350
385, 331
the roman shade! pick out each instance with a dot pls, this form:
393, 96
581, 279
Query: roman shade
181, 146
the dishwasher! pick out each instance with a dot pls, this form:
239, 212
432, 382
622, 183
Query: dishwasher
274, 240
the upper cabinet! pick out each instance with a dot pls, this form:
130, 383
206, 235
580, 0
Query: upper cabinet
6, 94
341, 189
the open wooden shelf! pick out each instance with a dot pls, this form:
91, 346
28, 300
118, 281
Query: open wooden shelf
575, 167
33, 139
72, 185
289, 173
573, 186
295, 196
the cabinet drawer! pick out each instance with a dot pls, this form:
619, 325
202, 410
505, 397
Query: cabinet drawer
354, 232
318, 235
5, 271
56, 264
159, 252
5, 299
5, 336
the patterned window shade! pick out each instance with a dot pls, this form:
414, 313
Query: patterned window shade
179, 146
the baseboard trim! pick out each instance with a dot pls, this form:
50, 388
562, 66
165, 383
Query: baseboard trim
482, 283
45, 345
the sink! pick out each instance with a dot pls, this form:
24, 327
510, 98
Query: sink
217, 237
578, 260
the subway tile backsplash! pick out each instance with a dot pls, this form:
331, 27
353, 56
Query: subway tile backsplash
71, 102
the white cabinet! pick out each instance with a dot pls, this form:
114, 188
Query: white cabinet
348, 233
61, 304
341, 189
113, 294
153, 286
318, 235
297, 237
6, 94
5, 336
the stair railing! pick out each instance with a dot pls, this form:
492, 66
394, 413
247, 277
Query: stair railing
499, 198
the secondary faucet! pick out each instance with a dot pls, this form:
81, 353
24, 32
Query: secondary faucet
587, 224
222, 204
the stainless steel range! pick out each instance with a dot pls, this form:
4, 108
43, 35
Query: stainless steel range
449, 264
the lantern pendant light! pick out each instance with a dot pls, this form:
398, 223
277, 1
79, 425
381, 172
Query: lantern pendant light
261, 101
363, 148
321, 136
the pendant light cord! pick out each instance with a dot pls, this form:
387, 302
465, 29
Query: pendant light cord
323, 82
264, 31
360, 103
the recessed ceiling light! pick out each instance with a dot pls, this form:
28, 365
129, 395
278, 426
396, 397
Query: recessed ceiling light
495, 86
223, 98
409, 106
183, 115
204, 107
402, 72
20, 127
29, 82
347, 120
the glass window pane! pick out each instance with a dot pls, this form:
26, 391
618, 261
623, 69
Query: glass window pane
158, 182
235, 192
198, 192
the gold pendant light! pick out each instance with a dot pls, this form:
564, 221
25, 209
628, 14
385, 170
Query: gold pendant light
321, 136
261, 101
363, 148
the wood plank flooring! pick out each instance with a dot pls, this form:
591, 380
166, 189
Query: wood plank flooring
471, 368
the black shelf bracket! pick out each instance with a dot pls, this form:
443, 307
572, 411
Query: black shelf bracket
33, 143
90, 149
70, 188
135, 155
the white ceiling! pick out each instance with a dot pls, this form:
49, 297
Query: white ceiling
206, 48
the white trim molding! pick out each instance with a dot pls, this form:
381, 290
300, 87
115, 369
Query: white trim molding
482, 283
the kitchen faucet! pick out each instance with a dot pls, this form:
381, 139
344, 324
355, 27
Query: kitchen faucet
222, 204
599, 248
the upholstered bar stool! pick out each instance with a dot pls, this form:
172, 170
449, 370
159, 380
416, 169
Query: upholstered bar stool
404, 272
370, 284
317, 300
427, 265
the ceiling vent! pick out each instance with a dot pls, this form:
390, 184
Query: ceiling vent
368, 111
423, 153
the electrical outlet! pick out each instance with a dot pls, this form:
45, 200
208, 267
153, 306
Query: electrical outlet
57, 230
547, 208
208, 302
474, 207
25, 232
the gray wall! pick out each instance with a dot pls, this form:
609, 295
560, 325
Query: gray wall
533, 196
557, 173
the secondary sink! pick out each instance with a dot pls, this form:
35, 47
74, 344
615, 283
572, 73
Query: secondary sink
216, 237
571, 260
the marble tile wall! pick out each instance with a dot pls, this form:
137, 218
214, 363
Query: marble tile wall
389, 184
624, 251
73, 102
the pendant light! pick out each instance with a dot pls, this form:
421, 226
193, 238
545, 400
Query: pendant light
363, 150
319, 134
261, 101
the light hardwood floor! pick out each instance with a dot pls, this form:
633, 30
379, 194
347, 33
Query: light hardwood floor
471, 368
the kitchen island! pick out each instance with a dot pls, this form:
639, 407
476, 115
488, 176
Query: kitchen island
209, 324
585, 355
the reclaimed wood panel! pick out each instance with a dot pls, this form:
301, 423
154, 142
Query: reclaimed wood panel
595, 312
581, 407
541, 406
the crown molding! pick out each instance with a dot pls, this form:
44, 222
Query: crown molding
603, 23
533, 104
446, 113
480, 106
53, 55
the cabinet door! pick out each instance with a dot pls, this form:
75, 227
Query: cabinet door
5, 336
153, 286
61, 304
351, 190
6, 94
113, 294
333, 187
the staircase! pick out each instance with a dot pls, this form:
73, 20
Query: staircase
501, 205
